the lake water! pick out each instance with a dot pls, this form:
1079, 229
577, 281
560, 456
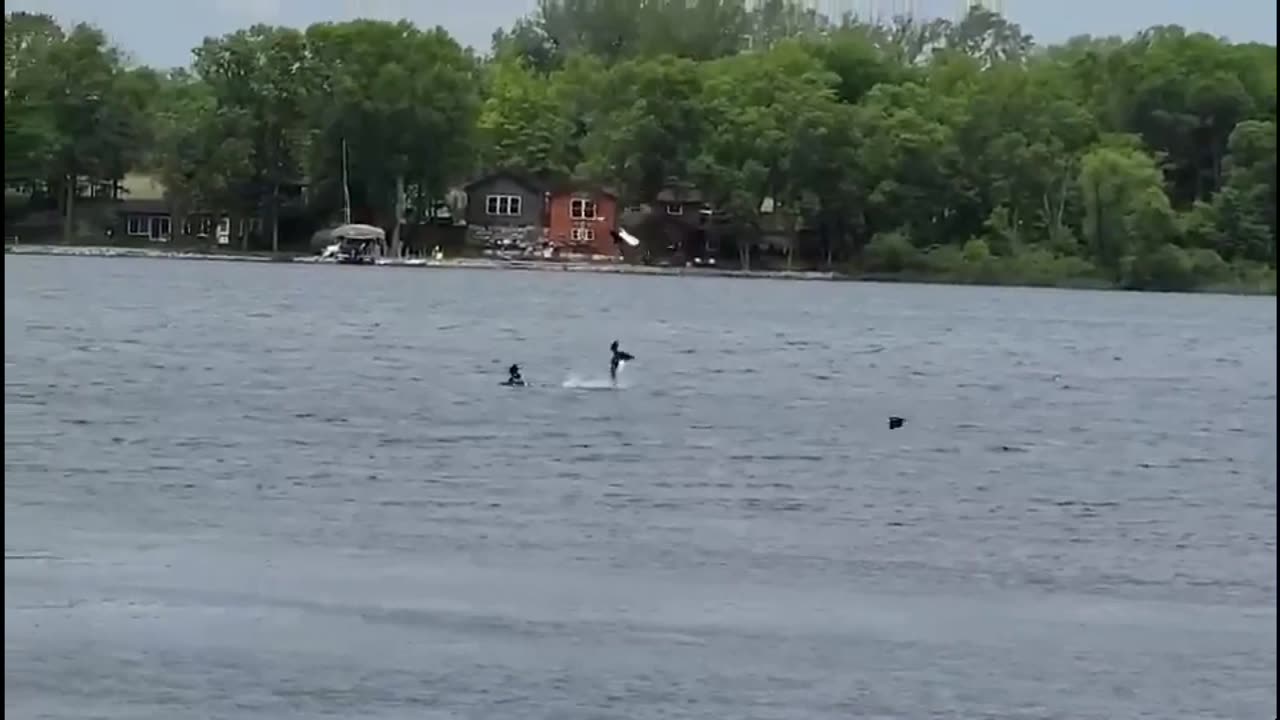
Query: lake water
267, 491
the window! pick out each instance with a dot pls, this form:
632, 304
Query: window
198, 226
160, 228
582, 234
505, 205
675, 209
580, 209
137, 225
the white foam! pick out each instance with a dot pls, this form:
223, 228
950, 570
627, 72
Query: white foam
578, 382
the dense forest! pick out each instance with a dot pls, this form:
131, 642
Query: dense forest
958, 150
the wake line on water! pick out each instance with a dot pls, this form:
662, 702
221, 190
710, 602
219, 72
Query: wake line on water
579, 382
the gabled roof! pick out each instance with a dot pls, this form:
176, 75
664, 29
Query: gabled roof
143, 206
566, 188
680, 194
529, 182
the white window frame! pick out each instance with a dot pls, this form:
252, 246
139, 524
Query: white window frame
675, 209
578, 208
163, 221
582, 234
224, 230
138, 225
503, 205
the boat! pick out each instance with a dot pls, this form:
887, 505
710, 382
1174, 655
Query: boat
350, 243
357, 244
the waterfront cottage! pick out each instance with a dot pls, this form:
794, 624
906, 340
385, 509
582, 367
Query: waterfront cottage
582, 219
506, 211
677, 224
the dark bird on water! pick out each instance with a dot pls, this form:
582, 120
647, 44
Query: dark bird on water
895, 422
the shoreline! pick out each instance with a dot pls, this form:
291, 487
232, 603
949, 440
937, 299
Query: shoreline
501, 264
100, 251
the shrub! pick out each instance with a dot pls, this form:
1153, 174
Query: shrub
1208, 266
890, 252
1166, 268
976, 250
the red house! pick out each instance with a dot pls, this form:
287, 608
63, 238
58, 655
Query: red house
583, 221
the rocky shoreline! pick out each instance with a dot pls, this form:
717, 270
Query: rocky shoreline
458, 263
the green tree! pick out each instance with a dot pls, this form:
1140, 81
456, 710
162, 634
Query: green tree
204, 153
1022, 134
913, 167
651, 127
526, 44
522, 125
826, 175
860, 63
1126, 210
751, 104
30, 136
96, 115
1245, 208
1183, 93
402, 100
260, 76
989, 37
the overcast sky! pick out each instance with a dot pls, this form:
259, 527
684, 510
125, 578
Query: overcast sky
162, 32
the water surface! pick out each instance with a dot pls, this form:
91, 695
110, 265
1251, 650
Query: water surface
248, 491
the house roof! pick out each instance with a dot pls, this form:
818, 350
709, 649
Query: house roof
143, 206
677, 194
583, 187
530, 182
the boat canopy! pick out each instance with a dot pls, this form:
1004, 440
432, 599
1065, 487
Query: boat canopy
358, 232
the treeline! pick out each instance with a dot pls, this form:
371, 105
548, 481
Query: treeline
958, 150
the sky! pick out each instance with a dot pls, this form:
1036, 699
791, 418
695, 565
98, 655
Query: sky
163, 32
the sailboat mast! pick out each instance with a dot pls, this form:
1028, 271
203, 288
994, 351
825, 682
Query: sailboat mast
346, 187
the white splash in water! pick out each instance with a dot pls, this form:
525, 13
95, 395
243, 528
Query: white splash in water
579, 382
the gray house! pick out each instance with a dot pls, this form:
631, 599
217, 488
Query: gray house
506, 210
678, 224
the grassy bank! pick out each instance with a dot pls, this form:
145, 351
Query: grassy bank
1167, 268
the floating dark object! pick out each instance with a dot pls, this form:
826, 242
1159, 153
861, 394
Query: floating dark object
895, 422
514, 379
